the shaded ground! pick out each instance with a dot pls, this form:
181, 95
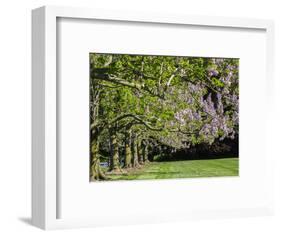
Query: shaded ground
183, 169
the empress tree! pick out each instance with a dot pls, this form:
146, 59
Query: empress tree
213, 98
201, 102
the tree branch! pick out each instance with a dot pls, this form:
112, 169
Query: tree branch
114, 79
171, 77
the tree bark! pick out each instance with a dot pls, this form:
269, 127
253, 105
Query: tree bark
135, 162
128, 153
140, 156
95, 172
145, 151
115, 166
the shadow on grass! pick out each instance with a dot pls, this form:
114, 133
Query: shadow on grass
196, 158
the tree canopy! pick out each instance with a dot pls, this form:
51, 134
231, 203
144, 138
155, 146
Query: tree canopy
140, 102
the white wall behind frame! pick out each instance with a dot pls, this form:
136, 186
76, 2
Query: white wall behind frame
16, 89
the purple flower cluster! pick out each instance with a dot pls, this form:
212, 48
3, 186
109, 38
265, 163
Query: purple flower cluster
208, 106
212, 72
194, 88
212, 111
220, 124
187, 115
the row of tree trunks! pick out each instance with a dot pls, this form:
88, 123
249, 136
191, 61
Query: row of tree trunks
136, 154
139, 152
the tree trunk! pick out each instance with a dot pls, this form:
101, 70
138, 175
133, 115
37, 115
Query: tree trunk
115, 166
128, 153
140, 157
135, 152
145, 151
95, 171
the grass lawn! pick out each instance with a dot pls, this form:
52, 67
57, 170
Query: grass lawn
183, 169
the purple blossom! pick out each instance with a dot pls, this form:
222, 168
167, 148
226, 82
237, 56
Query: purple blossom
194, 88
212, 72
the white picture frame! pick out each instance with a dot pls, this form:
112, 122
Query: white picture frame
45, 186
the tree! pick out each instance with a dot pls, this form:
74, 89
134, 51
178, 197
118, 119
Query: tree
177, 102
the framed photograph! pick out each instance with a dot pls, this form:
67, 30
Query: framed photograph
142, 118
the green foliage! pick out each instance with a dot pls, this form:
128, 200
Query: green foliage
163, 98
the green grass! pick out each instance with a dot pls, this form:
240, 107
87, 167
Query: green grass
183, 169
